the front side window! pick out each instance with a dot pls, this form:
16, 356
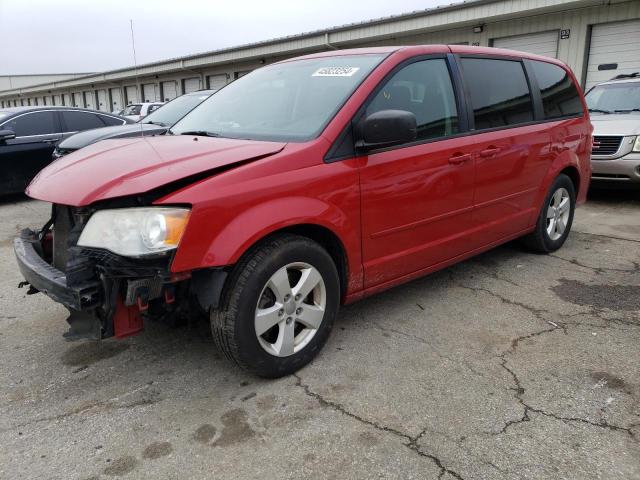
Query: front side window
38, 123
289, 101
78, 121
623, 97
499, 92
560, 97
423, 88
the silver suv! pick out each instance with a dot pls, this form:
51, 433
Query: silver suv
615, 115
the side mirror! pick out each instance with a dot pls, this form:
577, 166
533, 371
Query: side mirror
386, 128
7, 135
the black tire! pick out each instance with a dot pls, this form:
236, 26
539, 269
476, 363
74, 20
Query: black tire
233, 323
539, 240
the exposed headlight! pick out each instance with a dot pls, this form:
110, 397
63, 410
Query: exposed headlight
636, 145
135, 232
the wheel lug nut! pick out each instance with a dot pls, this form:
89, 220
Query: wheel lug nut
298, 311
280, 312
289, 319
297, 297
287, 297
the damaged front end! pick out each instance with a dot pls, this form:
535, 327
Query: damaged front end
107, 294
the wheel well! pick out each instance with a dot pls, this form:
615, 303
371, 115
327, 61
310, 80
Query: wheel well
572, 173
330, 242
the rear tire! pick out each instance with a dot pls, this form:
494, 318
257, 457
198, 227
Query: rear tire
555, 217
278, 306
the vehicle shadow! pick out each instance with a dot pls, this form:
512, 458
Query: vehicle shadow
614, 194
14, 198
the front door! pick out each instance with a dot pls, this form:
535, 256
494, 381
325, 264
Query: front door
417, 199
24, 156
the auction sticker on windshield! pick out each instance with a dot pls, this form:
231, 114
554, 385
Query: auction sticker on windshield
335, 71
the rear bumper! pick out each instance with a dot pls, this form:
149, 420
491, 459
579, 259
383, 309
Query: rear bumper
49, 280
624, 169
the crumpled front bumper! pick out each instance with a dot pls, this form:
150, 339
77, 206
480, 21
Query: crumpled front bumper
49, 280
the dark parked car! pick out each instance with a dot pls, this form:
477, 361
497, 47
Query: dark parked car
28, 136
155, 123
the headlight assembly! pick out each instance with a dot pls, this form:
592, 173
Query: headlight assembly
135, 232
636, 145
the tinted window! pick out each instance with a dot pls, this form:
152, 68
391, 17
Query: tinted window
78, 121
560, 98
499, 92
38, 123
424, 89
110, 120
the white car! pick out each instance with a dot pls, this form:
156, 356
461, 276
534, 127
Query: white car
137, 111
615, 115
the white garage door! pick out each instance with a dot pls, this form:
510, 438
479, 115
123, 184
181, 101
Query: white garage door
615, 49
191, 84
150, 92
116, 99
542, 43
77, 100
57, 100
89, 99
131, 93
67, 99
103, 103
169, 90
216, 82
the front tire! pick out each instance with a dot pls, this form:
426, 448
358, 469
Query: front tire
278, 306
555, 218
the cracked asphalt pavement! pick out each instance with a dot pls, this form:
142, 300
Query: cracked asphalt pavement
508, 366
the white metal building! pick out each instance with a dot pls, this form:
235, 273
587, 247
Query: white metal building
598, 39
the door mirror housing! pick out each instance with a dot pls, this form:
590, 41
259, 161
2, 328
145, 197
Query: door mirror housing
387, 128
7, 135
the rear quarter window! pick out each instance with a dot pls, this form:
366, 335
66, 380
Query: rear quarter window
560, 97
36, 123
110, 121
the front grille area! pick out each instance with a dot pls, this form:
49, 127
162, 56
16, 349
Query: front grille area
62, 224
606, 144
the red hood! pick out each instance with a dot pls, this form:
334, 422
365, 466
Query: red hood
117, 168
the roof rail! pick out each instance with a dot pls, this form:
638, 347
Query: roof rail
622, 76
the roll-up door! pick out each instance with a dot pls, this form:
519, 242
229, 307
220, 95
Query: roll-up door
150, 92
116, 100
131, 92
541, 43
169, 90
614, 50
216, 82
89, 99
103, 103
191, 84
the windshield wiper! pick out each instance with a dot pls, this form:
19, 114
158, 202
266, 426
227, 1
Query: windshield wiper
599, 110
160, 124
201, 133
628, 110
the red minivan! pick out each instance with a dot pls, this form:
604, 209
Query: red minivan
306, 184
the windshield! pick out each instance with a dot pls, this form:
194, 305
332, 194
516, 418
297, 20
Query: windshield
291, 101
614, 98
173, 111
